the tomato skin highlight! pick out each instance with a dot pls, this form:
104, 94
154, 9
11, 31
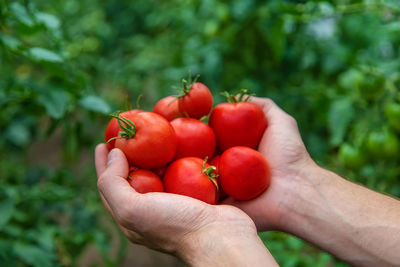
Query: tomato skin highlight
112, 129
184, 177
168, 108
154, 143
197, 102
194, 137
238, 124
145, 181
244, 173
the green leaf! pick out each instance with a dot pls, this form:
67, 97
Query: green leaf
7, 208
56, 102
33, 255
340, 114
95, 103
22, 14
50, 21
277, 39
42, 54
10, 42
18, 134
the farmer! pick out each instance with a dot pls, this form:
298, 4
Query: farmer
351, 222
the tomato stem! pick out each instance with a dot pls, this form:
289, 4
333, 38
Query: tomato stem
187, 85
210, 173
128, 128
243, 96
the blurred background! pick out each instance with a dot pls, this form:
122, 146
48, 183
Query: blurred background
65, 65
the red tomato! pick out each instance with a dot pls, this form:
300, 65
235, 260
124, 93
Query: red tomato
151, 142
244, 173
168, 108
238, 124
113, 129
187, 177
215, 162
144, 181
196, 101
195, 138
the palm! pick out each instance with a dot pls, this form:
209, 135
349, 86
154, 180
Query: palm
151, 219
179, 216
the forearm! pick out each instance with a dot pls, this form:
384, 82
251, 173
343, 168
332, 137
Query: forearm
353, 223
218, 249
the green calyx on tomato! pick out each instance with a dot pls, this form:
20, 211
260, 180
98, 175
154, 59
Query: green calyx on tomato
187, 85
243, 96
210, 172
128, 128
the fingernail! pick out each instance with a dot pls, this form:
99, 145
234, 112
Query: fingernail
111, 156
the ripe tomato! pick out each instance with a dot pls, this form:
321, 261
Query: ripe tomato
196, 101
144, 181
244, 173
149, 142
195, 138
215, 162
113, 129
168, 108
238, 124
191, 177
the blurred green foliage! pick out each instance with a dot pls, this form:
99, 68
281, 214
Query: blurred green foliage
333, 65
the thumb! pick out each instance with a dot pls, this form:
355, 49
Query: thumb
112, 183
117, 164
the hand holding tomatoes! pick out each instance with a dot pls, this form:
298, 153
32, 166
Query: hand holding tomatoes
176, 224
287, 157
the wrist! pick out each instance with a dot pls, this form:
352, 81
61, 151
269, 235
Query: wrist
222, 246
302, 190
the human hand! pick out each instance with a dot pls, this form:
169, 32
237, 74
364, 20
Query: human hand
197, 232
287, 156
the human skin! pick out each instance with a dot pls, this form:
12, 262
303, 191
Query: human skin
353, 223
199, 233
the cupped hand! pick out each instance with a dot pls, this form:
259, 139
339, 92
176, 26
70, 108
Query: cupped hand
287, 156
166, 222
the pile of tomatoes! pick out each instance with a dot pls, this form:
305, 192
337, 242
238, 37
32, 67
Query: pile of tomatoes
173, 150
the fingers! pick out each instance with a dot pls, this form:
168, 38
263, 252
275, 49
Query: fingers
133, 236
112, 184
273, 113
